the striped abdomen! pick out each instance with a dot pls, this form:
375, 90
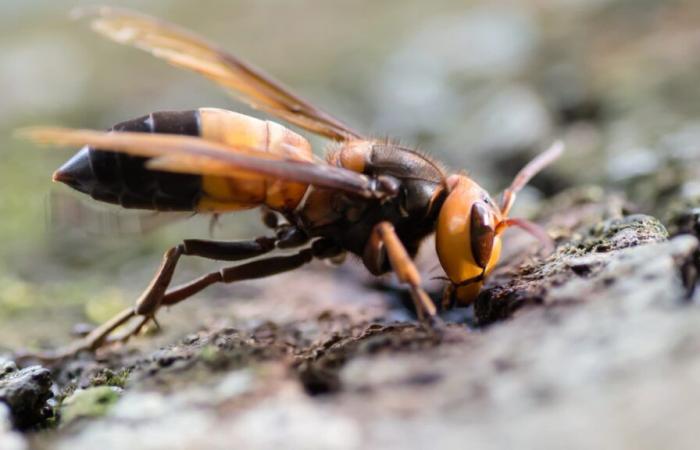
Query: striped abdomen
124, 180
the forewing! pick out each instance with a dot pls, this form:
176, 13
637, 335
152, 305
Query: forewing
187, 50
188, 154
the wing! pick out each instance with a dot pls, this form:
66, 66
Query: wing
193, 155
181, 48
69, 212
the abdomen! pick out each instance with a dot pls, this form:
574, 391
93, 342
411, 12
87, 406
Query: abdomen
124, 180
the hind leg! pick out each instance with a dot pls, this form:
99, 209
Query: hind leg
155, 295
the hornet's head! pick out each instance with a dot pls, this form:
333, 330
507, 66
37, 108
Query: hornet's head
470, 224
468, 236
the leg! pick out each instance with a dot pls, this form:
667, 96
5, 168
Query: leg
261, 268
249, 271
405, 269
149, 301
152, 298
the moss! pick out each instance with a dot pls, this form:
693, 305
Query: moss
108, 377
86, 403
210, 354
70, 394
616, 234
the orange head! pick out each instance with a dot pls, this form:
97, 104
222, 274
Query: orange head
470, 224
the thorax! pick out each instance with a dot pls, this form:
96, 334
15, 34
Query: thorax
349, 219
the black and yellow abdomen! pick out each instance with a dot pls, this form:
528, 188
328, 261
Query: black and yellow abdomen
124, 180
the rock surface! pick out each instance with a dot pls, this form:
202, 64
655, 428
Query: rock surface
588, 347
25, 393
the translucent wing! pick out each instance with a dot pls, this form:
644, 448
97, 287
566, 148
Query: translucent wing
69, 212
187, 50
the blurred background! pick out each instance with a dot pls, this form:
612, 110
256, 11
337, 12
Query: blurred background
482, 85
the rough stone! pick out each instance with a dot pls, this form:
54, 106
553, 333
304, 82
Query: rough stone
25, 392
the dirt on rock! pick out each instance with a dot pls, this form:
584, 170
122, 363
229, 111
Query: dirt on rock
562, 342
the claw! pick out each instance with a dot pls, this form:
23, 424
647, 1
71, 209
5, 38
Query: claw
434, 326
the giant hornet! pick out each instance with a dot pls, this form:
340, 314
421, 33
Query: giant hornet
372, 198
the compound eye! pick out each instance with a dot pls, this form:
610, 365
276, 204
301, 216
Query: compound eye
482, 233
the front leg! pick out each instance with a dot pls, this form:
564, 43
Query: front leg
385, 239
